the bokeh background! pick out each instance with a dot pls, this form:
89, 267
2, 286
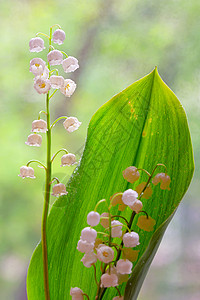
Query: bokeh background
116, 42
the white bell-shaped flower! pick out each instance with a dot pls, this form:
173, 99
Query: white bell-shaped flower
124, 266
136, 206
70, 64
108, 280
39, 126
55, 57
56, 81
89, 259
26, 172
116, 230
84, 246
68, 160
42, 86
129, 197
105, 253
71, 124
68, 88
131, 239
76, 293
59, 189
37, 66
105, 222
36, 44
34, 140
93, 218
58, 36
88, 234
44, 75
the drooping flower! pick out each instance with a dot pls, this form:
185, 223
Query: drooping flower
42, 86
116, 230
131, 239
36, 44
76, 293
88, 234
56, 81
105, 253
129, 197
70, 64
162, 178
71, 124
89, 259
108, 280
131, 174
136, 206
68, 88
105, 222
44, 75
39, 126
26, 172
68, 160
84, 246
58, 36
93, 218
59, 189
34, 140
124, 266
37, 66
55, 57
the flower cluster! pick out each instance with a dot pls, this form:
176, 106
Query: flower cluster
115, 247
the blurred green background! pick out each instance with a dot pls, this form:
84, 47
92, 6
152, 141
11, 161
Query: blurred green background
116, 43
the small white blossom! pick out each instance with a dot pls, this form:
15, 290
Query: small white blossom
116, 230
36, 44
105, 253
93, 218
89, 259
131, 239
58, 36
68, 88
129, 197
42, 86
70, 64
88, 234
76, 293
71, 124
124, 266
55, 57
136, 206
105, 222
56, 81
26, 172
59, 189
109, 280
37, 66
34, 140
44, 75
84, 246
39, 126
68, 160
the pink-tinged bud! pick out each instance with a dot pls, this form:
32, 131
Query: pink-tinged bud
89, 259
26, 172
109, 280
136, 206
58, 36
129, 197
76, 293
56, 81
71, 124
39, 126
163, 179
70, 64
131, 174
105, 253
55, 57
124, 266
68, 160
116, 230
68, 88
42, 86
36, 44
34, 140
59, 189
88, 234
131, 239
37, 66
84, 246
93, 218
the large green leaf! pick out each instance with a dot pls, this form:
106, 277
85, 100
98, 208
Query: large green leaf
143, 125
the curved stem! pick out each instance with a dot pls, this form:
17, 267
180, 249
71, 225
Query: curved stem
53, 94
36, 161
41, 33
114, 196
56, 25
115, 216
64, 53
59, 152
99, 202
63, 117
41, 112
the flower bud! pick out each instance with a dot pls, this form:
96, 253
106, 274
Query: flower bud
105, 222
56, 81
124, 266
129, 197
76, 293
37, 66
109, 280
55, 57
68, 160
26, 172
36, 44
89, 259
70, 64
131, 239
88, 234
162, 178
34, 140
68, 88
93, 218
59, 189
131, 174
136, 206
71, 124
116, 230
42, 86
105, 253
58, 36
39, 126
84, 246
